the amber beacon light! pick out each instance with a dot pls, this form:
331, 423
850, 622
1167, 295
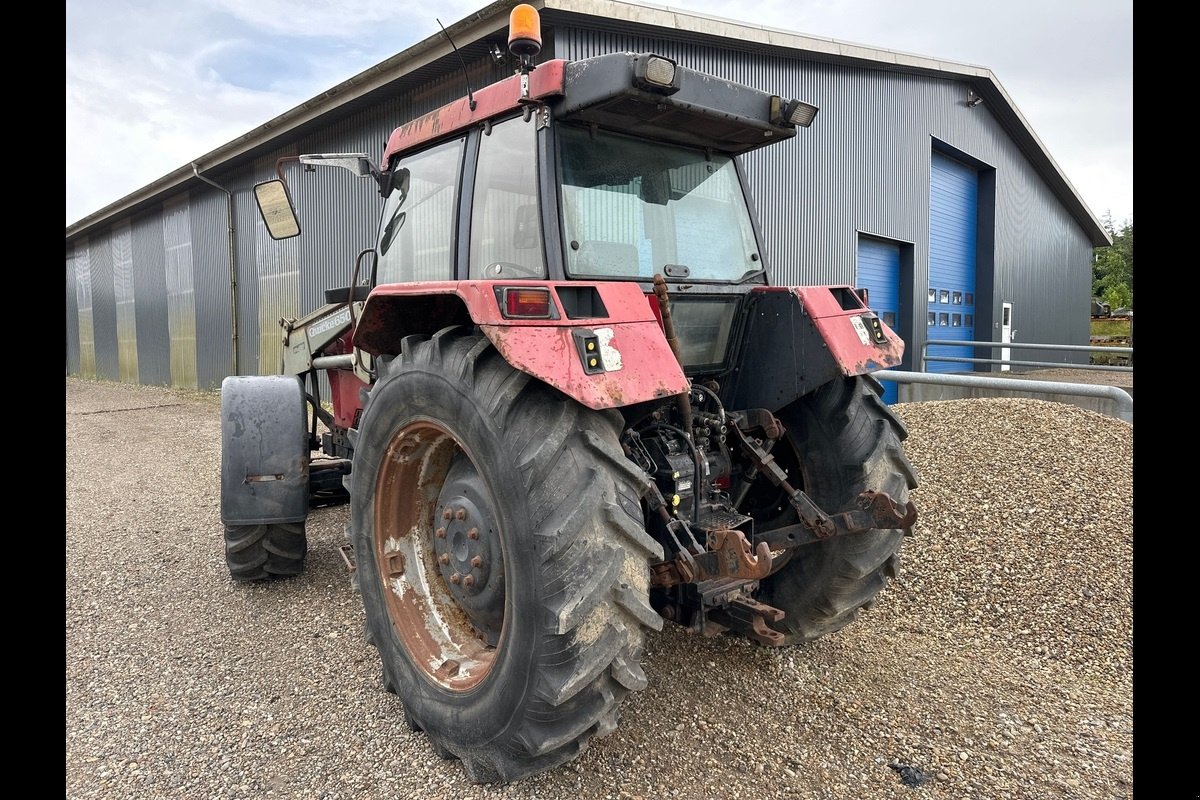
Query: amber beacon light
524, 31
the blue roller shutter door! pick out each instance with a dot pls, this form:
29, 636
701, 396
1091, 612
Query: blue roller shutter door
879, 274
953, 233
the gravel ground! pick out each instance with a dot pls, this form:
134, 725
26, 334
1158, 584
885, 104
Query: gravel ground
998, 665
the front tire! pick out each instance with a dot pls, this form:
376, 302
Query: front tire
501, 556
265, 552
843, 440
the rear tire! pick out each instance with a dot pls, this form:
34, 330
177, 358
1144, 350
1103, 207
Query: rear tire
844, 440
465, 467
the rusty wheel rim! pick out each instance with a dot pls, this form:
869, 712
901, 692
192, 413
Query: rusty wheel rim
421, 554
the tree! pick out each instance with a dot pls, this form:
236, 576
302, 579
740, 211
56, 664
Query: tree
1112, 267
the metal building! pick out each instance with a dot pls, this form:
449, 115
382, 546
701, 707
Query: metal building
920, 180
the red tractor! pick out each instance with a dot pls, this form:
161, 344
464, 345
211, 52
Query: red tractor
566, 404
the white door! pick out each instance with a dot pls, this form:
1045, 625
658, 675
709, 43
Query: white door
1006, 334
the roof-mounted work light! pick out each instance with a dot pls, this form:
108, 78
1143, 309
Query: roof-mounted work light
656, 74
792, 112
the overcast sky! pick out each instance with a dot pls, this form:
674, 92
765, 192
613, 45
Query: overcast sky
153, 85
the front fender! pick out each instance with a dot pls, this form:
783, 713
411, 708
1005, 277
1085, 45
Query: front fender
264, 450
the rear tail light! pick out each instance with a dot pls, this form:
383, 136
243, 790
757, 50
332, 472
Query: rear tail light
522, 303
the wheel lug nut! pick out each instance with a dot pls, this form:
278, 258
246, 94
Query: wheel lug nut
473, 533
446, 513
456, 578
440, 533
460, 513
468, 580
444, 558
477, 561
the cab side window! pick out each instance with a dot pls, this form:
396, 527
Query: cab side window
417, 228
506, 240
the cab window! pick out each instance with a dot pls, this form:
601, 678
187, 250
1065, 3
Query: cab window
416, 230
506, 240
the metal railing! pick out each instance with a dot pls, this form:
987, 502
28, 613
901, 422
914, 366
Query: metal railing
1122, 400
1078, 348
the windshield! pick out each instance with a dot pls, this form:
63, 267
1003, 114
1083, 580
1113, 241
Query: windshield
633, 208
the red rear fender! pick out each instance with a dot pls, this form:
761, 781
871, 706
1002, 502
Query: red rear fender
601, 345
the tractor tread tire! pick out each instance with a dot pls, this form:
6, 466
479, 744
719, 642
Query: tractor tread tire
847, 441
265, 552
581, 541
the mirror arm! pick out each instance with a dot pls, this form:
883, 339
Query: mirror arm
279, 166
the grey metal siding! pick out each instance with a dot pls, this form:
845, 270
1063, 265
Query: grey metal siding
181, 304
104, 309
247, 219
83, 289
73, 367
338, 213
1043, 267
150, 307
209, 222
338, 210
277, 269
126, 309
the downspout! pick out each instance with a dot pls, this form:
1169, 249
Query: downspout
233, 282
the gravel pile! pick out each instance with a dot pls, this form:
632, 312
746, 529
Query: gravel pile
997, 666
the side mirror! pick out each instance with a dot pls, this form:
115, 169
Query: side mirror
275, 205
656, 188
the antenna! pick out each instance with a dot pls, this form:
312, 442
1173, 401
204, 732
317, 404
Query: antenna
466, 77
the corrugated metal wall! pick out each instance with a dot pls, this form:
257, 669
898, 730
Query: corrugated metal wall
150, 301
277, 267
150, 290
73, 337
157, 294
246, 221
126, 309
1043, 267
181, 302
209, 221
104, 309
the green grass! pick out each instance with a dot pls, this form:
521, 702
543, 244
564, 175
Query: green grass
1111, 327
1116, 333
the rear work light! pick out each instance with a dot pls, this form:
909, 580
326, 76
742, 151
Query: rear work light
522, 303
655, 74
792, 112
